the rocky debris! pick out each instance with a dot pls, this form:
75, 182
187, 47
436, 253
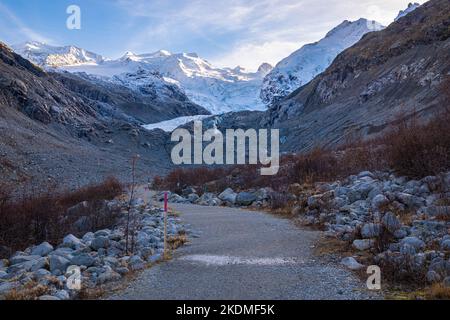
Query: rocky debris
393, 218
351, 263
101, 257
228, 197
42, 250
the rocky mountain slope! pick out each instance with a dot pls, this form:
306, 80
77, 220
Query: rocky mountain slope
217, 89
49, 132
312, 59
387, 74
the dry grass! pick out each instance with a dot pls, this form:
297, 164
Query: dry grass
39, 214
177, 241
30, 291
438, 292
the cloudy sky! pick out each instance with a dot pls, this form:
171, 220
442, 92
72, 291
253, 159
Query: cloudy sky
225, 32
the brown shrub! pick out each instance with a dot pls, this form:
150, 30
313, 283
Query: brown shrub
39, 214
417, 149
438, 291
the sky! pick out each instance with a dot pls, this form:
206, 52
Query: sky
225, 32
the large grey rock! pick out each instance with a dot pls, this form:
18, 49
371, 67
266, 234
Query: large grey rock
264, 194
100, 242
391, 222
410, 200
108, 276
6, 287
175, 198
433, 277
370, 230
209, 199
351, 263
446, 282
228, 196
42, 250
364, 244
445, 244
22, 258
379, 201
245, 198
83, 259
413, 242
58, 263
41, 273
62, 295
102, 233
136, 263
70, 241
193, 197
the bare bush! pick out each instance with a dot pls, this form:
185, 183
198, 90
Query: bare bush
40, 214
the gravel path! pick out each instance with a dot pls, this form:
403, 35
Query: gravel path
244, 255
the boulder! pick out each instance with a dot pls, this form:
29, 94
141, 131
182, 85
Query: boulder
193, 198
245, 198
187, 191
433, 277
228, 196
351, 263
62, 295
175, 198
6, 287
108, 276
413, 242
83, 259
410, 200
102, 233
58, 263
19, 259
391, 222
264, 194
209, 199
136, 263
366, 174
70, 241
364, 244
42, 250
100, 242
41, 273
446, 282
445, 245
379, 201
370, 230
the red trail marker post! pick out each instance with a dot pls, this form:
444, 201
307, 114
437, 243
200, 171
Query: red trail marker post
165, 224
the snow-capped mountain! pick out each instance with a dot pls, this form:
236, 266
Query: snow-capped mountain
217, 89
312, 59
411, 7
51, 56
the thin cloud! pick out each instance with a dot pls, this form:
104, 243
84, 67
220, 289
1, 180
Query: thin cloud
16, 29
247, 32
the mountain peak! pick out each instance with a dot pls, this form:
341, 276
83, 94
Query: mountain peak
310, 60
265, 68
360, 25
411, 7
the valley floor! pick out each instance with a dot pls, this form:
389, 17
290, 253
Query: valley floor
243, 254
